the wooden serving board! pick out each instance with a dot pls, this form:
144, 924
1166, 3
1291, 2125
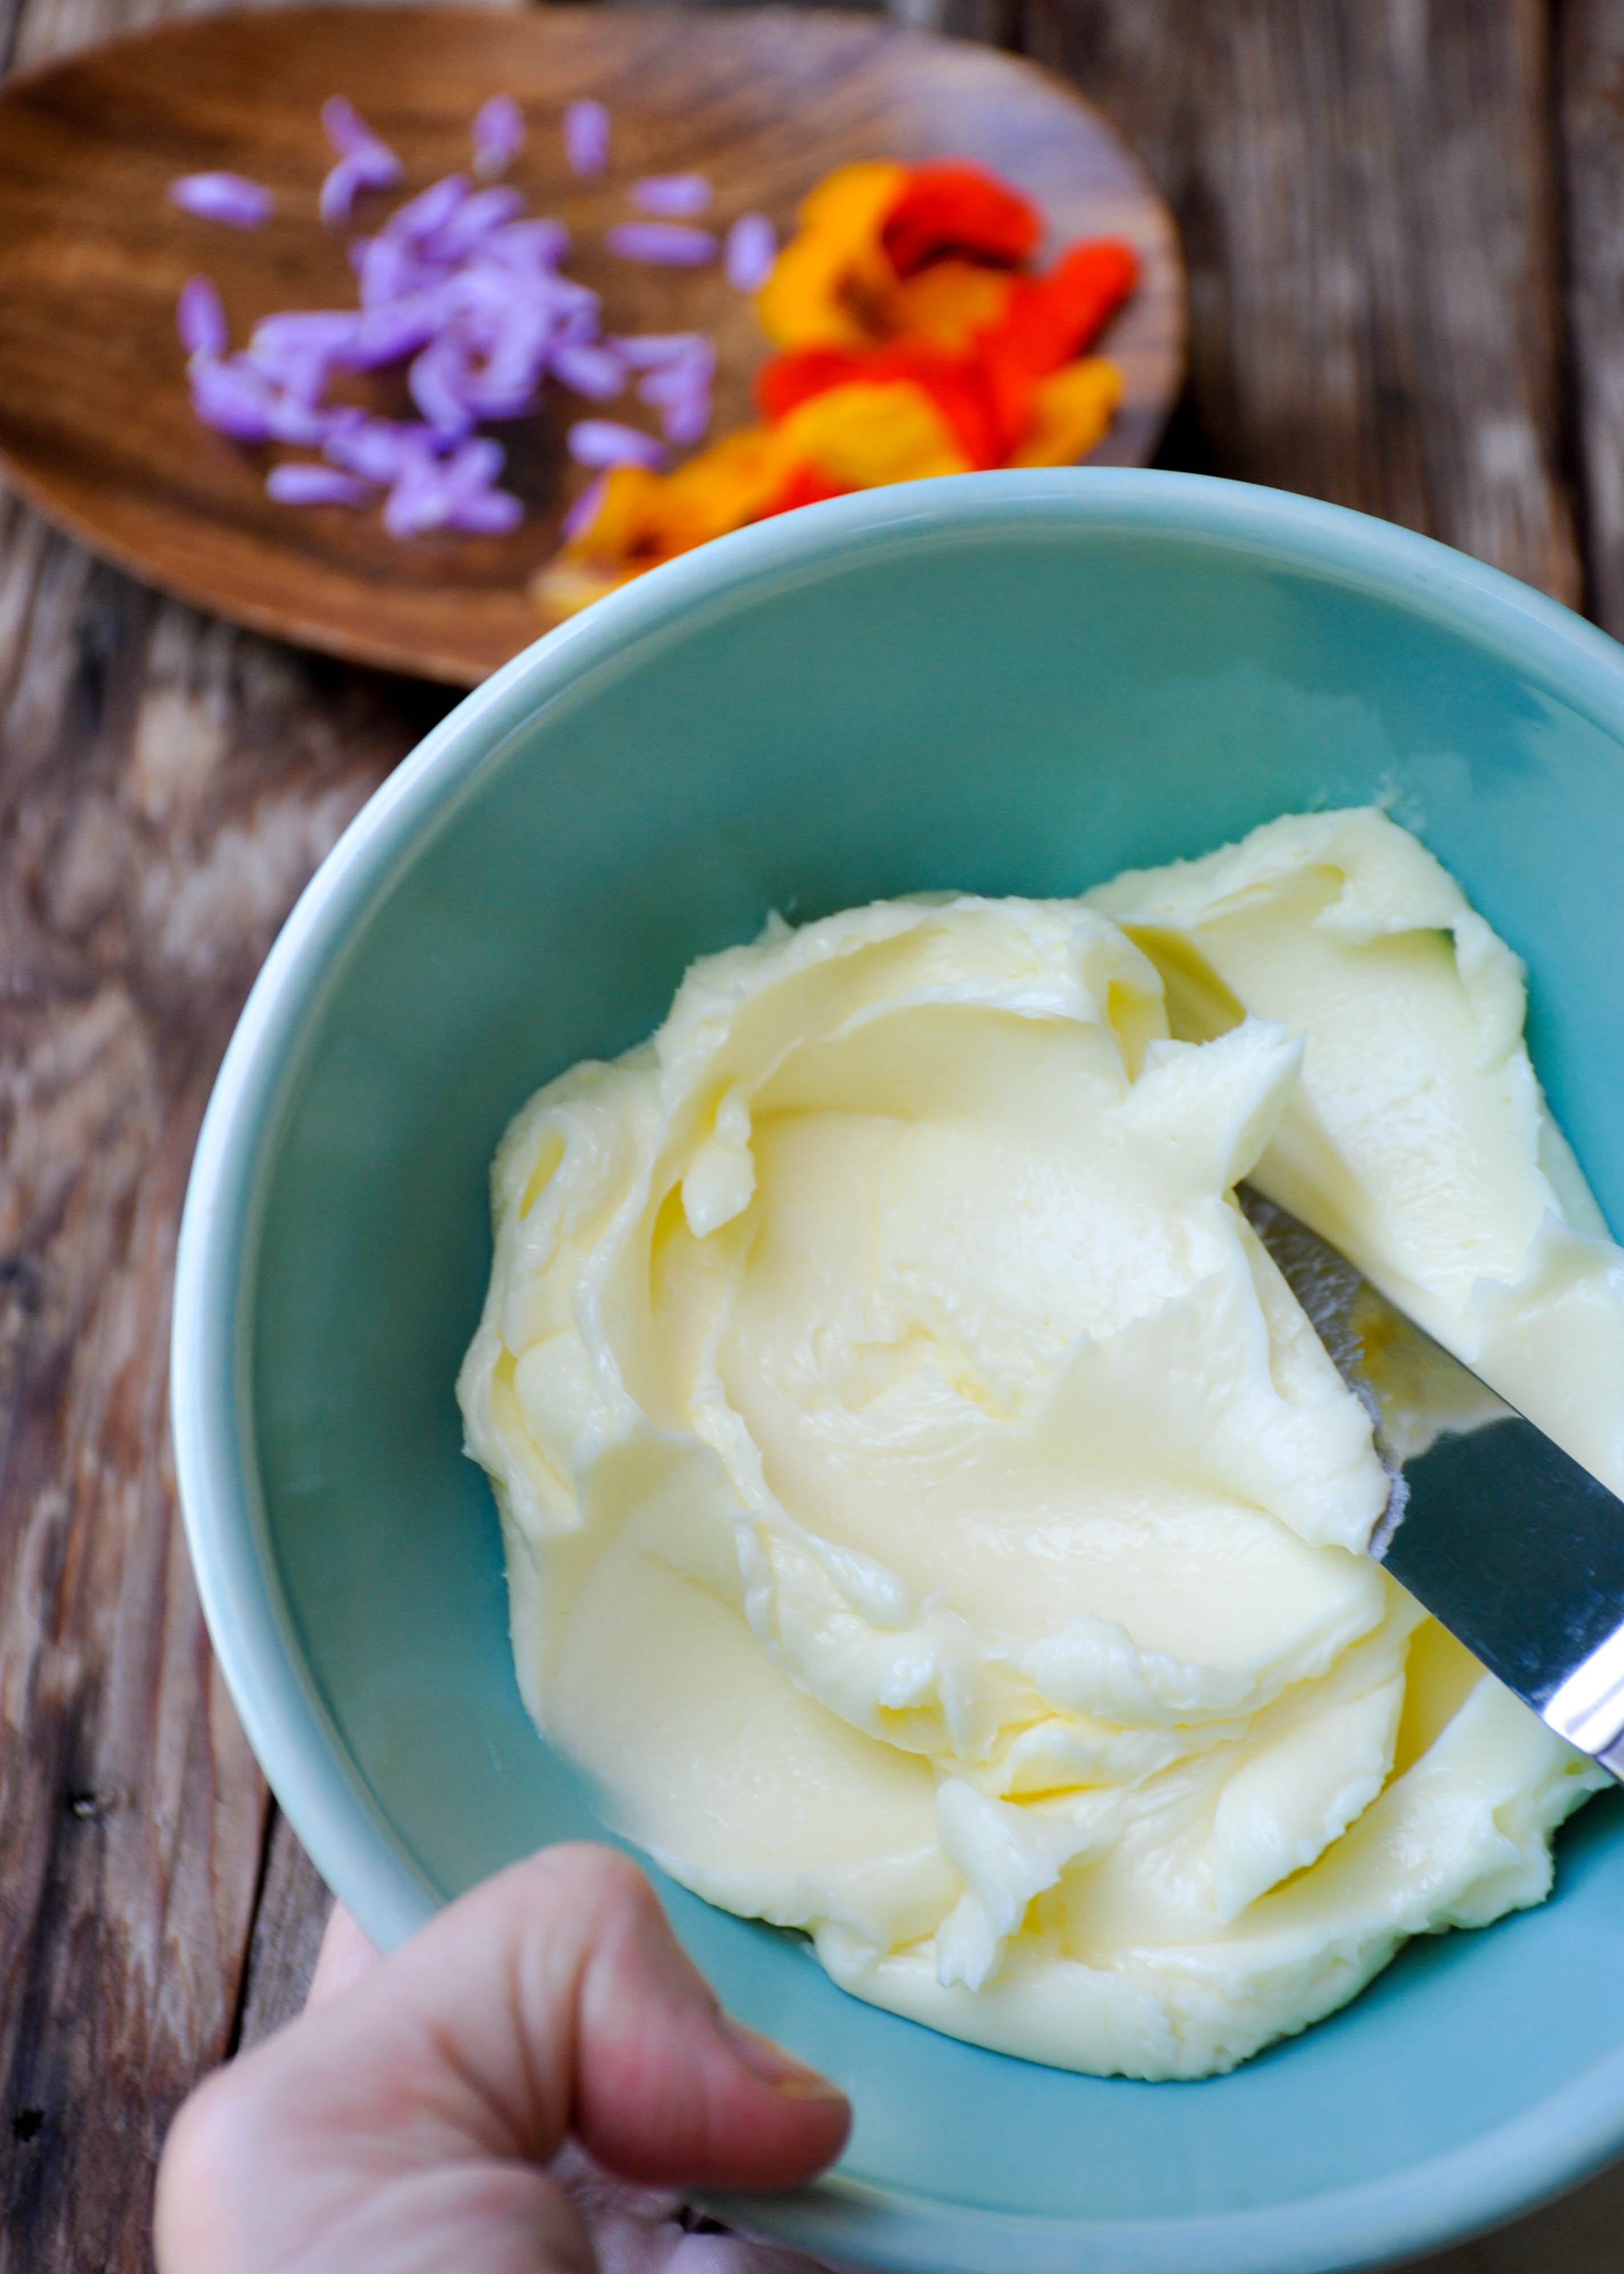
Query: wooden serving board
95, 422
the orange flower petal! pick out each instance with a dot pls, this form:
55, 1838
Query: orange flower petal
833, 264
948, 303
1071, 410
863, 434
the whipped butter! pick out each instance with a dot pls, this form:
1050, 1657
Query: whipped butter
931, 1519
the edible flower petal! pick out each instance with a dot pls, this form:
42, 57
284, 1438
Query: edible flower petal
750, 248
605, 442
498, 135
1071, 410
586, 136
951, 209
677, 197
231, 198
199, 318
669, 242
306, 484
835, 261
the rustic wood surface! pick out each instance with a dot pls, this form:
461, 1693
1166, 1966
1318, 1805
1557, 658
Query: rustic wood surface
763, 101
1405, 224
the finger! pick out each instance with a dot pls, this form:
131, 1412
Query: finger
345, 1955
559, 1987
669, 2089
554, 1997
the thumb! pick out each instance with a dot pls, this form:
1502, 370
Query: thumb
667, 2088
559, 1993
552, 1999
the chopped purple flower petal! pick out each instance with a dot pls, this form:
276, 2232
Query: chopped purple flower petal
473, 466
586, 136
604, 442
299, 380
387, 268
661, 387
534, 244
488, 401
467, 290
340, 188
750, 252
230, 397
297, 350
677, 196
679, 388
415, 501
579, 311
315, 486
498, 135
230, 198
649, 351
685, 417
344, 127
437, 381
478, 215
428, 491
369, 167
328, 330
693, 369
429, 210
514, 365
583, 512
341, 418
364, 162
391, 330
486, 513
668, 243
595, 371
381, 449
200, 319
291, 420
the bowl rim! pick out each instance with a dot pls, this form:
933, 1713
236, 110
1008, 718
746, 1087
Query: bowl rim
1537, 2153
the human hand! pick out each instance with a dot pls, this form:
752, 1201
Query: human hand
401, 2125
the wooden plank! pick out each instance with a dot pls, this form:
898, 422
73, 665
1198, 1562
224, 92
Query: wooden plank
130, 1803
43, 28
166, 787
1366, 193
291, 1914
1590, 98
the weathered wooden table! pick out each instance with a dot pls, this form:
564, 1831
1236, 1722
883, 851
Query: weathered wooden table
1405, 226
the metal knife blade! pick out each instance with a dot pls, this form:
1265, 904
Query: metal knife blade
1509, 1542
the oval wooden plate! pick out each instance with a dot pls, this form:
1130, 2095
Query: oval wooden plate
95, 424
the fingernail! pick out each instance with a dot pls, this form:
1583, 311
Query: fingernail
774, 2066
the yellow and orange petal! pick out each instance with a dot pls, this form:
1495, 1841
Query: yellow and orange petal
834, 268
1071, 410
948, 304
862, 434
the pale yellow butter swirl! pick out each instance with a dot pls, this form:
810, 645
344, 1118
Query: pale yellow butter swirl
929, 1517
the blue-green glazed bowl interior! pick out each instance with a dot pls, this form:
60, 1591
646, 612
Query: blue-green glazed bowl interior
1011, 684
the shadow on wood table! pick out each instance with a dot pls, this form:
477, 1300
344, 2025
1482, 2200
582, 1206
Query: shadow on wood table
1405, 227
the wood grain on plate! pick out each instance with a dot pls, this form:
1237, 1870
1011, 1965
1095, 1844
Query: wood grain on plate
95, 424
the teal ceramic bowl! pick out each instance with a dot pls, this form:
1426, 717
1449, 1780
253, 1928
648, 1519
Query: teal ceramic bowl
1014, 682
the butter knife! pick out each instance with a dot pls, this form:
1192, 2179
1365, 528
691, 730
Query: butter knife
1509, 1542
